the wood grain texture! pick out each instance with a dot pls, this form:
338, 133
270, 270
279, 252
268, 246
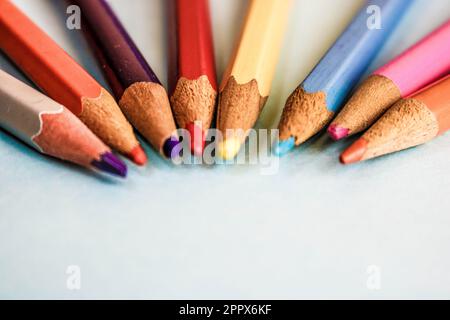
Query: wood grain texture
97, 111
422, 64
240, 105
349, 57
120, 51
407, 124
65, 81
377, 88
147, 106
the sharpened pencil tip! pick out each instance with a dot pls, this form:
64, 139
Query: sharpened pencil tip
169, 147
284, 147
228, 149
338, 133
197, 138
138, 156
355, 152
109, 163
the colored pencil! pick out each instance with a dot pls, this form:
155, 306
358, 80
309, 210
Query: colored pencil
141, 96
410, 122
51, 129
314, 103
192, 71
56, 73
247, 81
417, 67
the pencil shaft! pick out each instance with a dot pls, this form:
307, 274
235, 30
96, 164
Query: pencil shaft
248, 79
141, 96
120, 52
349, 57
192, 66
195, 45
421, 64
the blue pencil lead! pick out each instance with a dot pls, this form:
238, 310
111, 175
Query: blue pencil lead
284, 147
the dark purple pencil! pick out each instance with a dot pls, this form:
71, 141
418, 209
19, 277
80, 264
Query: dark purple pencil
141, 96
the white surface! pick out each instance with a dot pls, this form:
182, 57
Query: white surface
310, 231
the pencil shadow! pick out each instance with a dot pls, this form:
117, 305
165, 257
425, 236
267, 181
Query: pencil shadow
33, 155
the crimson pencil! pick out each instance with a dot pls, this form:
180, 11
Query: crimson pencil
141, 96
192, 71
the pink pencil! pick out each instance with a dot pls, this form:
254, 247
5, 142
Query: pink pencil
420, 65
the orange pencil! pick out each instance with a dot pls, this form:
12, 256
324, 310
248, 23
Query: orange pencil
64, 80
411, 122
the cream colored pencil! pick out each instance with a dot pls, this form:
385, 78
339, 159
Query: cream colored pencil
248, 79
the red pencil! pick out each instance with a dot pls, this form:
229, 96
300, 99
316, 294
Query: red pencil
192, 72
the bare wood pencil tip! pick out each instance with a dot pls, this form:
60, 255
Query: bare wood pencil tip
239, 105
194, 101
104, 117
304, 115
370, 101
147, 107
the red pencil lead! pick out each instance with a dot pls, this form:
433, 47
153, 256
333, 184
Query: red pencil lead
138, 156
197, 138
355, 152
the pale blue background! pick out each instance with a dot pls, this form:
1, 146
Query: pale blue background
310, 231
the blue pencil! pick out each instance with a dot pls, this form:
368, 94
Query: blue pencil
313, 104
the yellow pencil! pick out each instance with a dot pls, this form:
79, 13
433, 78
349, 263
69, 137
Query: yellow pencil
248, 78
